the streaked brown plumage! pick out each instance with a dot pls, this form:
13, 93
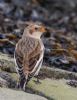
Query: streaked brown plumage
29, 51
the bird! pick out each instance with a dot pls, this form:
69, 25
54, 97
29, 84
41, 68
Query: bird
29, 52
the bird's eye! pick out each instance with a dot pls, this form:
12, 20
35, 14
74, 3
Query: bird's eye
36, 28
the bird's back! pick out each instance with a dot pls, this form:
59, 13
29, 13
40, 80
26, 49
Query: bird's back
28, 47
28, 52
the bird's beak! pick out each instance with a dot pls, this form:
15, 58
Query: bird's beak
42, 29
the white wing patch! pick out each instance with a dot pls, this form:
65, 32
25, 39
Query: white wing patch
39, 62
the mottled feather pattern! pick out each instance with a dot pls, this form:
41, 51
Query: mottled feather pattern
27, 45
28, 52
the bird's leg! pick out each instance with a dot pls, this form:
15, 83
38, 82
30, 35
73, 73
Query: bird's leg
21, 82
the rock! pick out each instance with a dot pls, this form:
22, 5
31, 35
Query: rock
7, 94
53, 89
72, 83
20, 3
59, 15
59, 4
8, 80
51, 80
7, 63
3, 83
60, 51
57, 73
6, 8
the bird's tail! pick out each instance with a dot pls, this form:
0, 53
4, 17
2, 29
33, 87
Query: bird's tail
27, 79
23, 82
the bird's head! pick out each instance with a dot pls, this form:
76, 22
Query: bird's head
34, 30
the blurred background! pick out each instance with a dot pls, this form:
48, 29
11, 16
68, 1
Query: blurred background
60, 16
58, 75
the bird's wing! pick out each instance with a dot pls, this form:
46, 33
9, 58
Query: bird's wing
38, 64
19, 62
19, 66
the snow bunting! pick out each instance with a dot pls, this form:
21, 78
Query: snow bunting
29, 52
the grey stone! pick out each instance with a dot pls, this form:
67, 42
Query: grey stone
7, 63
7, 94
